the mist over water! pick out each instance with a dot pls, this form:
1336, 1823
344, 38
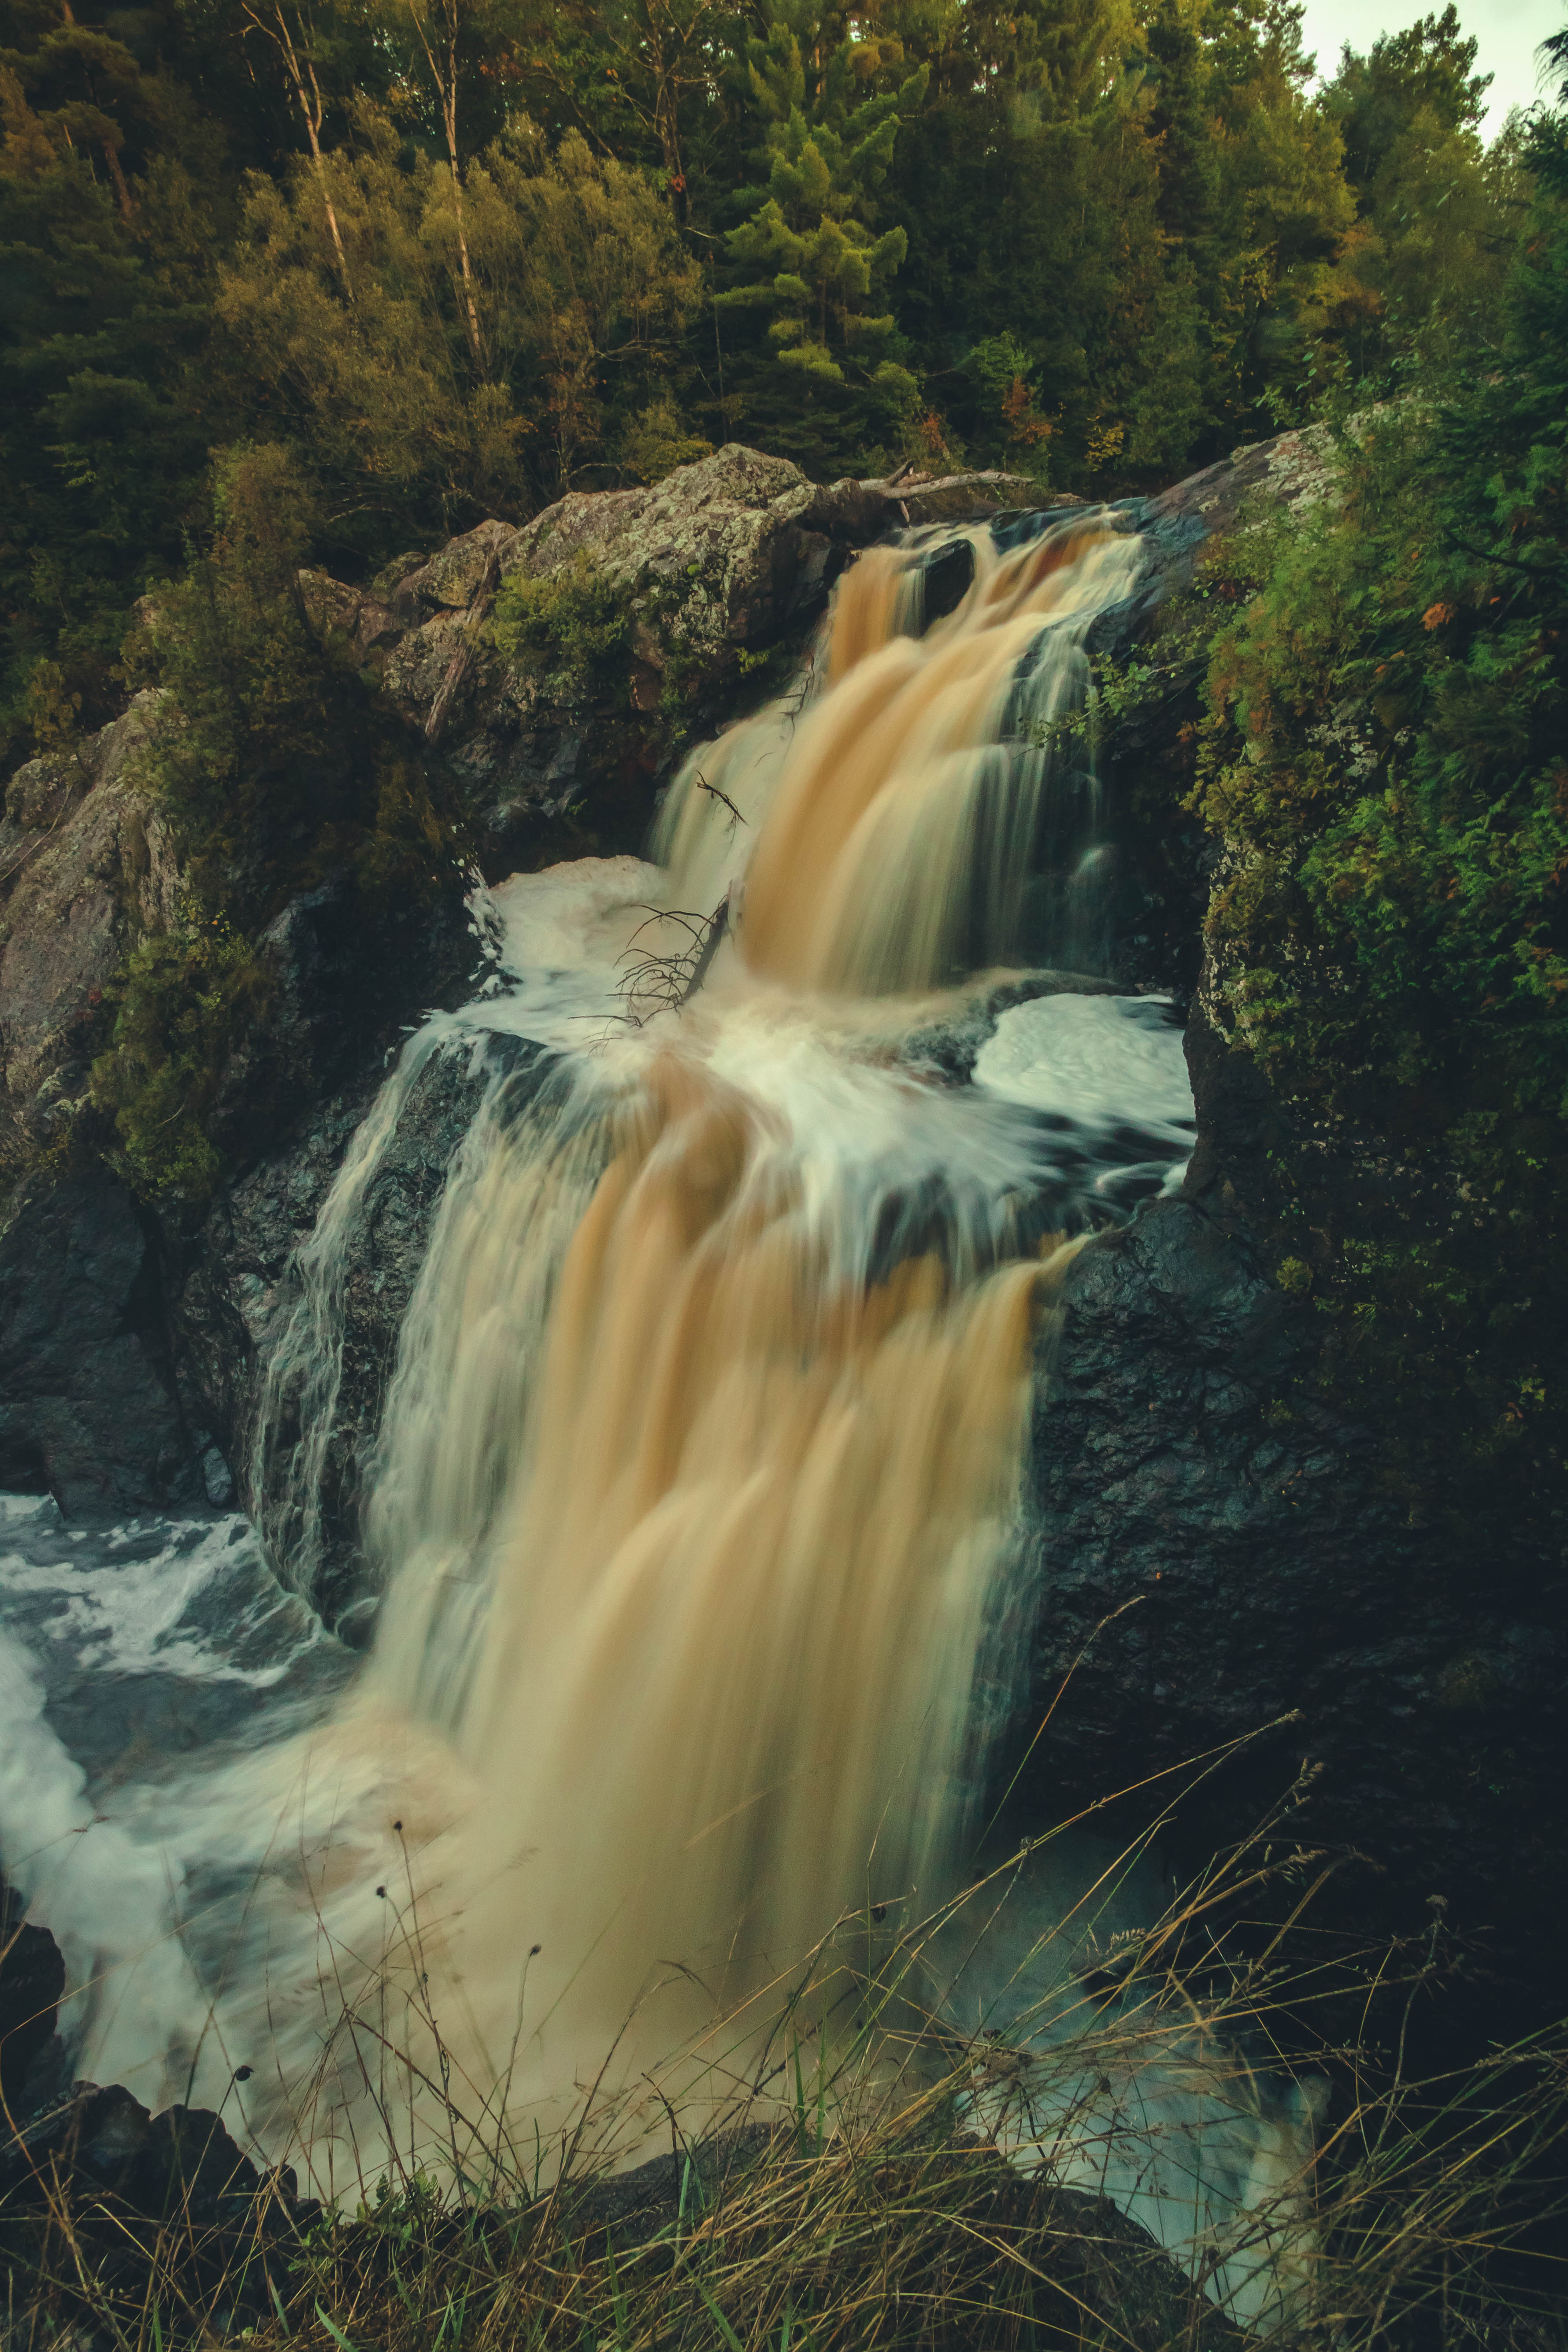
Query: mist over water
697, 1497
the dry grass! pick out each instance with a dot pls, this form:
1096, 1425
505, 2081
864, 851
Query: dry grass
852, 2202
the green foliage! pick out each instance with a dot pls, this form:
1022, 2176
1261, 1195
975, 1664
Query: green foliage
656, 441
806, 262
1435, 210
474, 254
573, 627
277, 765
1385, 763
184, 1002
102, 453
273, 755
578, 283
1428, 69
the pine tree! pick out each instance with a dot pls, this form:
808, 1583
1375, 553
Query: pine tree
808, 259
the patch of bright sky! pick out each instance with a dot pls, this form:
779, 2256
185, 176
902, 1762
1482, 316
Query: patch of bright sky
1508, 32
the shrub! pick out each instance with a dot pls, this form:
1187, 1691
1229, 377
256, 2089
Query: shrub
1384, 761
656, 441
573, 627
279, 764
184, 1000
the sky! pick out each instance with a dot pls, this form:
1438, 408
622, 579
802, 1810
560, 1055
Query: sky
1508, 31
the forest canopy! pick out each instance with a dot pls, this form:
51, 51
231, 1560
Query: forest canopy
459, 256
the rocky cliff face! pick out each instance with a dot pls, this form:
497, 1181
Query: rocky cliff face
86, 867
1271, 1568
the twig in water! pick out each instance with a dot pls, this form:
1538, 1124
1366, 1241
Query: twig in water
700, 781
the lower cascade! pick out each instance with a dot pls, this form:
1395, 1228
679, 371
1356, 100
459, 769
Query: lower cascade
699, 1504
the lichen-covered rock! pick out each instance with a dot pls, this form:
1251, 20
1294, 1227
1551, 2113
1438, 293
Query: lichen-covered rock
371, 627
728, 551
1290, 470
723, 559
86, 862
453, 575
717, 555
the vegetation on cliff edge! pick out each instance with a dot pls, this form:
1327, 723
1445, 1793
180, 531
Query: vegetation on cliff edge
1386, 764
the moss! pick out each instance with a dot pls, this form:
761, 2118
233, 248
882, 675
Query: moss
1380, 759
1468, 1686
185, 1001
572, 628
279, 764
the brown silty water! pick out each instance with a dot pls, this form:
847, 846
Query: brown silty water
700, 1482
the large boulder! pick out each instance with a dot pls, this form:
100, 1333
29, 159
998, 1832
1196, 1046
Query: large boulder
724, 561
86, 864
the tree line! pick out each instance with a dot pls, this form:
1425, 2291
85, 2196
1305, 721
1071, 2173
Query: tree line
462, 256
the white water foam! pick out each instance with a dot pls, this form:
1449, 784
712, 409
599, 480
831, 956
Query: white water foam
191, 1598
1104, 1062
560, 937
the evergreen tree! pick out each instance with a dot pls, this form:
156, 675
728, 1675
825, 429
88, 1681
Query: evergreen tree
1437, 215
807, 257
1428, 69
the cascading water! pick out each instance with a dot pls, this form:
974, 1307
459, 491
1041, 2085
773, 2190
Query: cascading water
699, 1483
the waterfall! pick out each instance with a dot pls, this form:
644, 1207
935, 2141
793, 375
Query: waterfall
697, 1497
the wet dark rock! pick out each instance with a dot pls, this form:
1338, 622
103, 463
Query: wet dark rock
32, 1981
1092, 2260
1274, 1589
114, 1395
119, 2178
89, 1409
181, 2163
655, 2198
238, 1282
149, 2205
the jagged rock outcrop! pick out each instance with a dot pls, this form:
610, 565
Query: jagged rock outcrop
86, 864
106, 1400
723, 560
